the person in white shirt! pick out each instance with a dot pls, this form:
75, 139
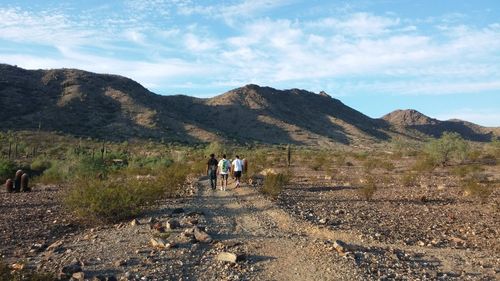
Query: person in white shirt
223, 168
237, 168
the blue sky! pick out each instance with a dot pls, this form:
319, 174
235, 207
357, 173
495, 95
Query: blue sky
439, 57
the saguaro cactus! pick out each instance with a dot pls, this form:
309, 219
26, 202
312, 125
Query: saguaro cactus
24, 183
9, 185
17, 181
289, 155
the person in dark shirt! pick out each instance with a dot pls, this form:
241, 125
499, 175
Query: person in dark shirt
212, 170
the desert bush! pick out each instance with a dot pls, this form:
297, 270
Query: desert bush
40, 164
409, 179
449, 147
145, 165
7, 168
474, 187
57, 173
274, 184
360, 155
423, 164
368, 188
121, 195
464, 170
370, 163
319, 161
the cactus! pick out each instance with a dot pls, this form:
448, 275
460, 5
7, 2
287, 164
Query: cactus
24, 183
17, 181
289, 155
9, 185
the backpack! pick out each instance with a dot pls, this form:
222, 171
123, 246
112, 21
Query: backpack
225, 166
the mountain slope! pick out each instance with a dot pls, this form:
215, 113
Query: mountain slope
116, 108
404, 120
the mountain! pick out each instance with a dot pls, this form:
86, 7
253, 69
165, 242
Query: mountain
117, 108
412, 120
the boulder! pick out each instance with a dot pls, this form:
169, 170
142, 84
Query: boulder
230, 257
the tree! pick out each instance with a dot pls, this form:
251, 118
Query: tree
449, 147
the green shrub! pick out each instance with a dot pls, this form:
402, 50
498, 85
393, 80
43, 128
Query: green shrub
7, 170
368, 188
274, 184
40, 164
148, 164
424, 164
122, 195
56, 174
449, 147
464, 170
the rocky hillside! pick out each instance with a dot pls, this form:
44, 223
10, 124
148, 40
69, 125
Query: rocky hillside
114, 107
412, 120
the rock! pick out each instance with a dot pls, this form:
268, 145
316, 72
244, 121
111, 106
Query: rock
192, 221
80, 276
201, 236
120, 263
158, 227
159, 243
173, 224
341, 247
328, 177
17, 266
230, 257
56, 246
134, 222
323, 221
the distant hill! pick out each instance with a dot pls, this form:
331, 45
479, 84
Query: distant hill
410, 119
117, 108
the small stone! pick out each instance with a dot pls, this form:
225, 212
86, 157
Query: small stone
173, 224
56, 246
159, 243
341, 247
120, 263
322, 221
230, 257
201, 235
134, 222
80, 276
158, 227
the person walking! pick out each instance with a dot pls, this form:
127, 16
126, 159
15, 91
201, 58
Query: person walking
212, 171
237, 168
224, 167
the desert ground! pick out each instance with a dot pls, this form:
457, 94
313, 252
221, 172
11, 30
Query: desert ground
326, 223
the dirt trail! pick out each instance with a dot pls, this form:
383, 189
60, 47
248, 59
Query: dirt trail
281, 247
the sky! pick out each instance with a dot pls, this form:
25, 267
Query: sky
441, 57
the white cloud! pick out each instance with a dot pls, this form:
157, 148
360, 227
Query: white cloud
357, 24
383, 54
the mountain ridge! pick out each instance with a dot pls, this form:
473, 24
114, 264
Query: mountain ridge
115, 107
